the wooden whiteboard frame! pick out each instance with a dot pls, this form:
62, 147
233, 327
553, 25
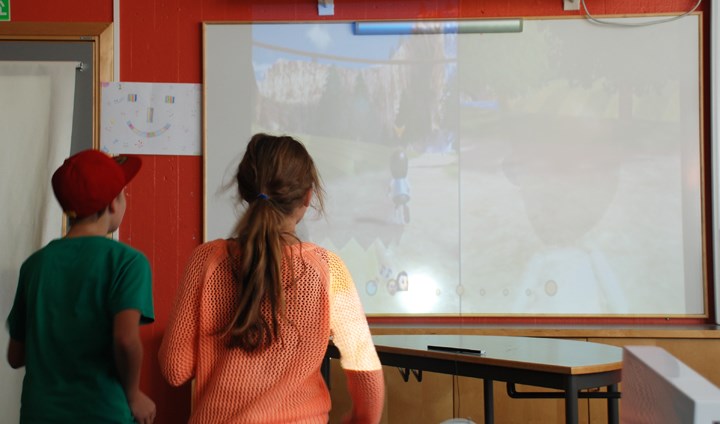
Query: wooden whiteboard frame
703, 199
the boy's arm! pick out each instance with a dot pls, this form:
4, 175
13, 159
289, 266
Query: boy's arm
16, 353
128, 360
16, 325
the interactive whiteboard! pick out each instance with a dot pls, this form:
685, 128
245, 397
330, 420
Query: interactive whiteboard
551, 172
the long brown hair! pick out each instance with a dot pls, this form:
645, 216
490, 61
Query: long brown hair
273, 179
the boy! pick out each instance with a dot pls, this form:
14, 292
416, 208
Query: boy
79, 302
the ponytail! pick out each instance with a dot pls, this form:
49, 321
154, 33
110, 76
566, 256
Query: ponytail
273, 178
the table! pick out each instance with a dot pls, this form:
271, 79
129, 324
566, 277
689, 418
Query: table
566, 365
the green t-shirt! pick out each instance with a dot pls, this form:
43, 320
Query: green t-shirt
67, 296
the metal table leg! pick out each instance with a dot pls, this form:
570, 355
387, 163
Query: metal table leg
612, 405
571, 402
488, 401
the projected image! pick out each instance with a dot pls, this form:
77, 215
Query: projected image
491, 174
377, 115
578, 173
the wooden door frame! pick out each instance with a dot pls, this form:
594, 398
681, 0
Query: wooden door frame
100, 34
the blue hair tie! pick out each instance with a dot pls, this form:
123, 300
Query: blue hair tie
262, 196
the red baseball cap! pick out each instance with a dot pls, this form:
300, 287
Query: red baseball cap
88, 181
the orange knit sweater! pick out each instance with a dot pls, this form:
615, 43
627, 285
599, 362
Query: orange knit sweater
282, 384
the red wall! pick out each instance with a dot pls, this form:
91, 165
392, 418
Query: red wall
161, 41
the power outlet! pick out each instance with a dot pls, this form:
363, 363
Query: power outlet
571, 4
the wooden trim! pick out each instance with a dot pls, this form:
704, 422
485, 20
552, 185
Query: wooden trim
651, 332
103, 57
42, 30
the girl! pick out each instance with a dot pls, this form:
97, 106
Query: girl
254, 314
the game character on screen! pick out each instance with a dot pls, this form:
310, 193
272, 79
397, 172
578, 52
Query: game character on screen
399, 186
74, 324
254, 313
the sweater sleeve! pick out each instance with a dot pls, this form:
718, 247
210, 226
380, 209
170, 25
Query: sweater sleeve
351, 335
177, 354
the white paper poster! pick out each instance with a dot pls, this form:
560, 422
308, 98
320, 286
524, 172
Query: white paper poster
151, 118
